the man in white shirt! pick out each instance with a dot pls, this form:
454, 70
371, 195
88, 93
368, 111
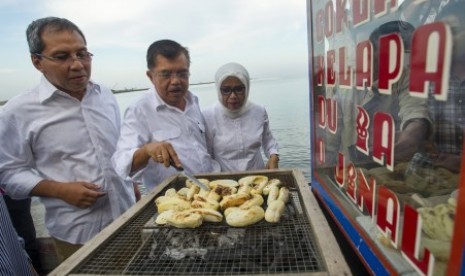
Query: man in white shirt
165, 126
58, 139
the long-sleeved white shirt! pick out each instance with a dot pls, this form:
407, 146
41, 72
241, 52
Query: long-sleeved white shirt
47, 134
236, 143
148, 120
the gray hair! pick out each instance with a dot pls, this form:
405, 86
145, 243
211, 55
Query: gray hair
36, 28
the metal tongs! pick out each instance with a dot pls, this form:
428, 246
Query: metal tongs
190, 177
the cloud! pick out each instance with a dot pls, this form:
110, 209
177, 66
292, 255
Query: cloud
268, 36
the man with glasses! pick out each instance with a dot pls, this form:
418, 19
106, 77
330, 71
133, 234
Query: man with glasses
165, 126
58, 139
237, 129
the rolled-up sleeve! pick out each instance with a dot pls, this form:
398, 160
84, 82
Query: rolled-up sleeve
17, 176
270, 146
129, 142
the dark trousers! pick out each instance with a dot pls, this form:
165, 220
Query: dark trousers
20, 213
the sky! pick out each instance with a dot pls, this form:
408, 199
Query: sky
268, 37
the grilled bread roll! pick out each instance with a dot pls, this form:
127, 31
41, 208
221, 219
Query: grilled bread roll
224, 190
257, 182
208, 214
161, 217
214, 196
273, 195
183, 192
283, 194
256, 200
171, 192
271, 183
238, 217
204, 202
184, 219
221, 191
189, 183
224, 183
245, 189
164, 203
274, 211
194, 189
234, 200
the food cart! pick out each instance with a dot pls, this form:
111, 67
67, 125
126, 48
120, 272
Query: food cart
301, 243
387, 123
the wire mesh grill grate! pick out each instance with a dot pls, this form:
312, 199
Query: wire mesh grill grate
212, 249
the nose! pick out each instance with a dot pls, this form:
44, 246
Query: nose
76, 63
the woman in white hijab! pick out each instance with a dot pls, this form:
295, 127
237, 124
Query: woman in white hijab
238, 129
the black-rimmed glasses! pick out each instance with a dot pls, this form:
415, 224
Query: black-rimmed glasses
227, 90
66, 58
166, 75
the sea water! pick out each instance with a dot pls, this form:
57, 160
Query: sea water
287, 104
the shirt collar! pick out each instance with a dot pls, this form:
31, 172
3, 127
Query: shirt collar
160, 104
47, 89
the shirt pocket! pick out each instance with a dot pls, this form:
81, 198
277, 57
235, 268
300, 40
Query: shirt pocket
167, 134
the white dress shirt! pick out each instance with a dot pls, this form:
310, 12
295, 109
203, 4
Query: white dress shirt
236, 142
47, 134
150, 119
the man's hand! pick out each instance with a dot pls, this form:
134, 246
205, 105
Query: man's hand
448, 161
79, 194
272, 162
160, 152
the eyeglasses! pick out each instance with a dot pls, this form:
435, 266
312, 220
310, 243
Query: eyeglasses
227, 90
65, 58
166, 75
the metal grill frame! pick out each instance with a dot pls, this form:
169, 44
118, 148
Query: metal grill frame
89, 256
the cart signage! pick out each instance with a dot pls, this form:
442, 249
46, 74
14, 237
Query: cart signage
383, 85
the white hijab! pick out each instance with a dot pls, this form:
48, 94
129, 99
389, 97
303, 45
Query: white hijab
233, 70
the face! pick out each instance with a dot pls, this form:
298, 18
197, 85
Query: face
232, 100
171, 79
71, 76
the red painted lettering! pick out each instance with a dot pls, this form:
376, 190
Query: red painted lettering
339, 173
351, 190
330, 73
361, 11
383, 139
321, 111
363, 65
410, 247
366, 195
390, 60
362, 125
430, 63
331, 107
387, 218
345, 73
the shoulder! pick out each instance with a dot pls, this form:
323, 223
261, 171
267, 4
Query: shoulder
20, 104
256, 109
209, 110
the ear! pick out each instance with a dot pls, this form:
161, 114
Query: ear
149, 75
36, 62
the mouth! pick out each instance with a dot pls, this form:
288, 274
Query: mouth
79, 78
176, 91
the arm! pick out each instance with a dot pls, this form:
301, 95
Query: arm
415, 122
270, 146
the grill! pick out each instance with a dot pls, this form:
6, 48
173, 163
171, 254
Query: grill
300, 243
